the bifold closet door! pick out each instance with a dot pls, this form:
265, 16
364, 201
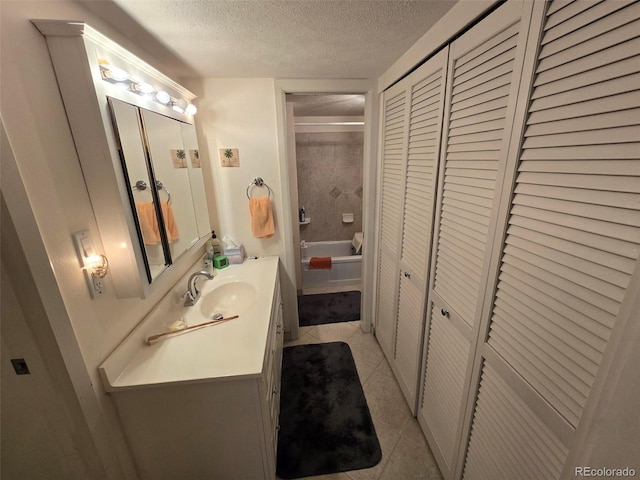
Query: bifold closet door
394, 152
426, 90
410, 163
571, 246
484, 73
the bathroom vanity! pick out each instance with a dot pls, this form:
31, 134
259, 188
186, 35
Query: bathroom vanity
205, 403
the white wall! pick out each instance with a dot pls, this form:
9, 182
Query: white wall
240, 113
47, 171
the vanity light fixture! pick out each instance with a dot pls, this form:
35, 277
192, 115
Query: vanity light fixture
123, 79
94, 265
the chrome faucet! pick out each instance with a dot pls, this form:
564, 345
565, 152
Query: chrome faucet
192, 294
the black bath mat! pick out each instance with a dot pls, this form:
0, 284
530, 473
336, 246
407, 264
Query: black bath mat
328, 308
325, 425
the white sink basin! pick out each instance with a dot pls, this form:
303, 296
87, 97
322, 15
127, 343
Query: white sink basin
231, 298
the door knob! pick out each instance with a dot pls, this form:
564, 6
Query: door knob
445, 313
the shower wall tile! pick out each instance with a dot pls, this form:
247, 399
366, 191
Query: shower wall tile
329, 169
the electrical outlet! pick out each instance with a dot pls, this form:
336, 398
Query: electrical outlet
98, 285
20, 366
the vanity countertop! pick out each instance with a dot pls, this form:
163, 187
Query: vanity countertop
232, 349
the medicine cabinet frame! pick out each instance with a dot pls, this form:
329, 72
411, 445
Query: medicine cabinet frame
77, 52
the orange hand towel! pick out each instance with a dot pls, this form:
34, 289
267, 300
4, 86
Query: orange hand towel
169, 221
148, 223
318, 263
261, 217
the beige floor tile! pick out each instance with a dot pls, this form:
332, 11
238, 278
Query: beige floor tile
366, 352
308, 329
303, 339
388, 438
318, 290
412, 433
386, 401
384, 367
333, 476
411, 462
334, 332
364, 370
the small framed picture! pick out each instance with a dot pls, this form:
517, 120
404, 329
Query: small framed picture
194, 155
229, 157
179, 158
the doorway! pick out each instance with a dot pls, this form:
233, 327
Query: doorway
327, 164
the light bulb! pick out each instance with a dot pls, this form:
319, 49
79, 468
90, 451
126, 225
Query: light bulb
177, 108
163, 97
143, 87
191, 109
118, 74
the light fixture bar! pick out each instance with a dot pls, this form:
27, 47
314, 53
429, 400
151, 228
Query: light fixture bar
123, 79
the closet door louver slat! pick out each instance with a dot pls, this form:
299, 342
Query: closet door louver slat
507, 439
574, 227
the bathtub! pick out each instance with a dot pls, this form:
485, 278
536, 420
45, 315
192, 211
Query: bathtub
346, 269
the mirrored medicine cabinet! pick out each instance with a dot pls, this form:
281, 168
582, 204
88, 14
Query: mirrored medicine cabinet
139, 155
161, 163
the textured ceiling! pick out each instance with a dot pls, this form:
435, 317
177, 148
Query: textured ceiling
287, 38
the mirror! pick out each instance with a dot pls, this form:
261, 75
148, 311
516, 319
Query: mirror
161, 163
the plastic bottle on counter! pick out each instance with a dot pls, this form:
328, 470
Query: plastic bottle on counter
216, 245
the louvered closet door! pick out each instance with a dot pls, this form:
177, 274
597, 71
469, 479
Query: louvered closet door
484, 75
426, 92
572, 241
394, 148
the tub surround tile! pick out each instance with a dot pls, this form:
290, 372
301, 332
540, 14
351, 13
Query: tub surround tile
329, 169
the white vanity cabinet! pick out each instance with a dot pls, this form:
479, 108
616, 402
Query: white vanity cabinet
205, 404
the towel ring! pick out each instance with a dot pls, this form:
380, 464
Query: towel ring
142, 185
258, 182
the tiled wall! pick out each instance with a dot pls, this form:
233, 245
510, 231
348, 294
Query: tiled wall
330, 183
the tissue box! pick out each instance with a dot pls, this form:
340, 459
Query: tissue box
235, 254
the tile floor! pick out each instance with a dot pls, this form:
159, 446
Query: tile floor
405, 453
